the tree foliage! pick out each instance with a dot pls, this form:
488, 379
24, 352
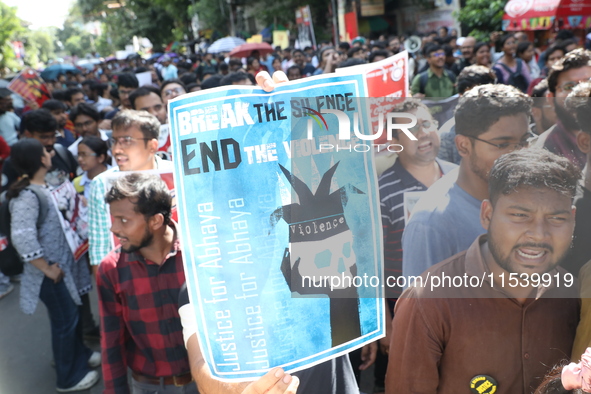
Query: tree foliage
161, 21
215, 14
10, 25
481, 17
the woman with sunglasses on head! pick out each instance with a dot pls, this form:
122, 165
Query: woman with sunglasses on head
38, 237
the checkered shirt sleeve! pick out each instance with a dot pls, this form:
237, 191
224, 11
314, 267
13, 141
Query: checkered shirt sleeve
99, 234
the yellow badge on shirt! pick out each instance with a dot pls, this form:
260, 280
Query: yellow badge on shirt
483, 384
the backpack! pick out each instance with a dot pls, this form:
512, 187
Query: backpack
515, 78
424, 78
10, 261
67, 158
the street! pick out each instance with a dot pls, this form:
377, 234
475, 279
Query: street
25, 360
25, 340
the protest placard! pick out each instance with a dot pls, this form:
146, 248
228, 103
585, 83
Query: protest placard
269, 196
29, 85
387, 86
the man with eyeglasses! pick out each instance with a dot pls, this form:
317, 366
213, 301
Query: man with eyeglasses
86, 123
171, 89
467, 49
564, 75
134, 144
147, 98
491, 120
436, 81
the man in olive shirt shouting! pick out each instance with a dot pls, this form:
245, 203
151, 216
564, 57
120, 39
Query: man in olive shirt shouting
492, 332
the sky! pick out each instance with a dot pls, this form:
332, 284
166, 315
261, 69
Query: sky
42, 13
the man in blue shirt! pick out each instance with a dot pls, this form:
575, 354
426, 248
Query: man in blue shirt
491, 120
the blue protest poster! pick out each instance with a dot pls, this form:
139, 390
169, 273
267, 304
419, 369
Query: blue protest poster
280, 223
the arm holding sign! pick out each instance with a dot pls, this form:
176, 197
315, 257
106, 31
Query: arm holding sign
276, 381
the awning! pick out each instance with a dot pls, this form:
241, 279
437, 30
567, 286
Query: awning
543, 14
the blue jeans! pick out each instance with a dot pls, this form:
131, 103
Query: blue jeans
69, 352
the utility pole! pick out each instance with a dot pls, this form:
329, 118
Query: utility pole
335, 23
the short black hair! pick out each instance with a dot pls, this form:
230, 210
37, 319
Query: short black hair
568, 42
186, 78
141, 92
98, 146
148, 193
148, 124
379, 44
501, 41
522, 47
554, 48
169, 81
128, 80
351, 52
234, 62
539, 92
71, 92
211, 82
294, 68
53, 105
39, 121
574, 59
297, 51
84, 109
98, 87
59, 94
473, 76
579, 103
192, 85
449, 39
532, 168
449, 51
564, 34
232, 77
482, 106
351, 62
429, 49
345, 46
381, 52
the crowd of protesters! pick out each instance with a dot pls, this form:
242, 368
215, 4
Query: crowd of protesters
503, 172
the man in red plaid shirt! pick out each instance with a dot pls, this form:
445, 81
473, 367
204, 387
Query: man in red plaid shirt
139, 286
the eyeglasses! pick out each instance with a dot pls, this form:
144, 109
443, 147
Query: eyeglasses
85, 155
509, 146
88, 123
125, 92
569, 86
438, 54
170, 92
125, 142
424, 125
